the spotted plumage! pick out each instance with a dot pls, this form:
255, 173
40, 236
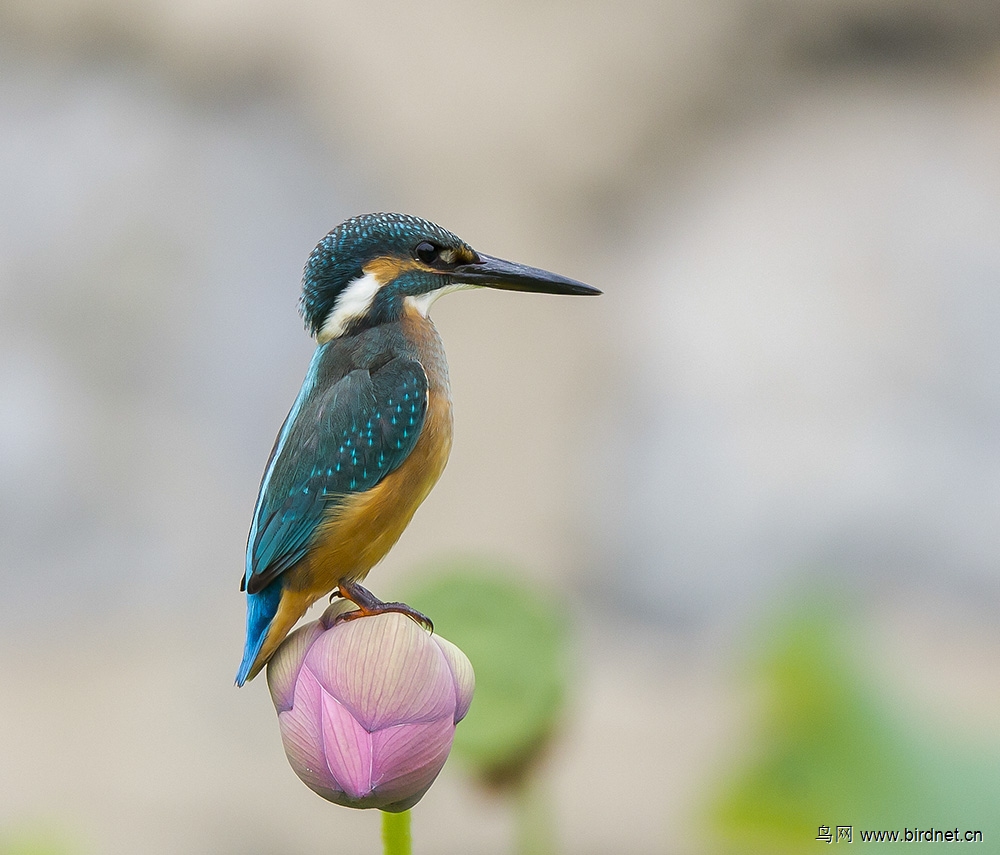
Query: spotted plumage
370, 431
338, 259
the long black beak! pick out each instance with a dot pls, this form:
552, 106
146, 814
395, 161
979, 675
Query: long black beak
491, 272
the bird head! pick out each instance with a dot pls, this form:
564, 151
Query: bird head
369, 268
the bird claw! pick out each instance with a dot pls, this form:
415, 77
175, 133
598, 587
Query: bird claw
368, 604
383, 608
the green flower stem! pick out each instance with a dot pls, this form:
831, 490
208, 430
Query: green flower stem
396, 838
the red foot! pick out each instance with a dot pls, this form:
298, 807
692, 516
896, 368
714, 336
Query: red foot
368, 604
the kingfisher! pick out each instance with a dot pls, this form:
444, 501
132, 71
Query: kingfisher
371, 429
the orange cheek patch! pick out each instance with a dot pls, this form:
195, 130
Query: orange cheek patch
387, 268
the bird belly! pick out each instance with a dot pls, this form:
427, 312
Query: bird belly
358, 532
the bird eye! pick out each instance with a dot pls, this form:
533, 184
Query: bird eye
427, 252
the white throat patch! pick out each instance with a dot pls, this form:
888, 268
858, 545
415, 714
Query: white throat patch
353, 303
423, 302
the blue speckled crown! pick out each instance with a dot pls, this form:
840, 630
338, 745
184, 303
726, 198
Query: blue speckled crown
338, 259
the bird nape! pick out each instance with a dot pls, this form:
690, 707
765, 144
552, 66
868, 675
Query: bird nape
370, 431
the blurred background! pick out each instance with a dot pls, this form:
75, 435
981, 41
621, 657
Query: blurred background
760, 475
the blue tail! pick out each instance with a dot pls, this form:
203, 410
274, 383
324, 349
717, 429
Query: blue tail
261, 609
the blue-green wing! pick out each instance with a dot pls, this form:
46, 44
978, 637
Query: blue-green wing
337, 440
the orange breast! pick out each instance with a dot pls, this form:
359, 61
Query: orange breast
360, 531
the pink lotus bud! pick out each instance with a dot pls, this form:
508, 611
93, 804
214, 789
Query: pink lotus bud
368, 707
